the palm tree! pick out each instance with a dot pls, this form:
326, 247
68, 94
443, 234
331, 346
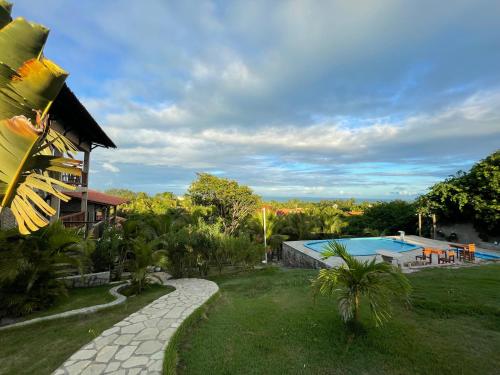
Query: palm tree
299, 226
357, 280
140, 258
333, 224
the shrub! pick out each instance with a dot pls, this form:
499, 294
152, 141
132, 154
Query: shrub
30, 266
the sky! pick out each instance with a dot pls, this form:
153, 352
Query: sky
366, 99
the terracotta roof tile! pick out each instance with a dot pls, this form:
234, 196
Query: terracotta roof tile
98, 197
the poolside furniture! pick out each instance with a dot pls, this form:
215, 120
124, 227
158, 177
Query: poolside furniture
458, 248
426, 255
464, 252
470, 252
446, 256
389, 256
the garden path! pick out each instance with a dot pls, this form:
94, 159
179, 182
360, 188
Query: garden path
136, 345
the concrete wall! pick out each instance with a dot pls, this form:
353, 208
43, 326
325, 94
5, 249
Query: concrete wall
296, 259
467, 234
87, 280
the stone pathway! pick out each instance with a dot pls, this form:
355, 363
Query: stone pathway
136, 345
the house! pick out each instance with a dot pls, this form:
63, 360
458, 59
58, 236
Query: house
68, 115
87, 207
100, 207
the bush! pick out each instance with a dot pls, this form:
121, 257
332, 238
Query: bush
109, 250
30, 267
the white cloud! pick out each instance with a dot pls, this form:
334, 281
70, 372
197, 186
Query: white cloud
110, 167
292, 95
418, 136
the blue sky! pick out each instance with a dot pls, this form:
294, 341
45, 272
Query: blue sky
371, 99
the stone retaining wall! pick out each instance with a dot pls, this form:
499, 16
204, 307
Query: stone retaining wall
295, 258
87, 280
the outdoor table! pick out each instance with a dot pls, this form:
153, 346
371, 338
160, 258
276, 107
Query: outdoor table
437, 252
458, 248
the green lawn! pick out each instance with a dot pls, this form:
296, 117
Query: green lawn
267, 322
76, 299
40, 348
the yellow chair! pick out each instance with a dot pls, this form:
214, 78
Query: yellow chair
426, 255
470, 252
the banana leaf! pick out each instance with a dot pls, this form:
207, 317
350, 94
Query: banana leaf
29, 83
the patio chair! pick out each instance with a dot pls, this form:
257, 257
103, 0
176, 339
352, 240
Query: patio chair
470, 252
458, 249
445, 256
426, 255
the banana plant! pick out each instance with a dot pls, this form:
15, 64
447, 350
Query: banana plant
29, 83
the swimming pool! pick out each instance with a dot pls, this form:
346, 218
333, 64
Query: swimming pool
365, 246
487, 256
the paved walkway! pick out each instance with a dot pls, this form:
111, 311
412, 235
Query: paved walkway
136, 345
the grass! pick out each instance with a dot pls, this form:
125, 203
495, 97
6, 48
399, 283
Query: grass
172, 350
76, 299
267, 322
42, 347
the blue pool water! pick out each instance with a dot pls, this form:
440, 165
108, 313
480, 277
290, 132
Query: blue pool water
487, 256
365, 246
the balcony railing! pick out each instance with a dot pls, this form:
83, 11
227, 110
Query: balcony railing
74, 180
73, 220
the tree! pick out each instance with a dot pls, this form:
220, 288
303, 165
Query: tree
299, 226
330, 218
233, 203
355, 280
123, 193
468, 197
29, 83
390, 217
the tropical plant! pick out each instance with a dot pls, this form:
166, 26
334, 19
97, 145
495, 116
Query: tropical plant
299, 226
181, 257
109, 251
356, 280
333, 224
141, 256
205, 243
30, 266
29, 83
276, 244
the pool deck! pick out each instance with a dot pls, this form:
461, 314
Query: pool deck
296, 254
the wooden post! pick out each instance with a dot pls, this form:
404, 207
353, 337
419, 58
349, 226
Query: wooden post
55, 202
434, 228
420, 224
85, 189
265, 239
